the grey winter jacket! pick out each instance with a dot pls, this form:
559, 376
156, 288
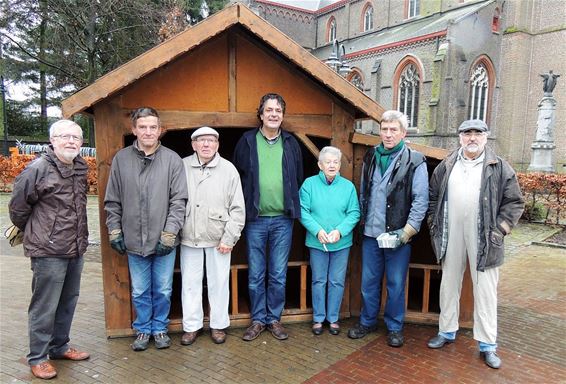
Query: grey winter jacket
501, 205
145, 196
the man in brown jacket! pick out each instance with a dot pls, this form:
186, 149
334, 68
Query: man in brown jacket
49, 205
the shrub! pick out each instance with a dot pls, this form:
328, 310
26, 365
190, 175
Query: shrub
545, 196
10, 167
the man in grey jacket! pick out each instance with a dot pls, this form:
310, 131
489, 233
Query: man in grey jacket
215, 218
49, 205
475, 200
145, 207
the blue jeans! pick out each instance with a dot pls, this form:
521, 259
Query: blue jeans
273, 233
152, 284
328, 270
395, 264
55, 290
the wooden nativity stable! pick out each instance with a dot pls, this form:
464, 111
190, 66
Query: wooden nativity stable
214, 74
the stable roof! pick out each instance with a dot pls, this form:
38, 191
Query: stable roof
234, 16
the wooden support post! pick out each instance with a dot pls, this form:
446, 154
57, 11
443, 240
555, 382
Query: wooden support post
303, 303
234, 289
426, 290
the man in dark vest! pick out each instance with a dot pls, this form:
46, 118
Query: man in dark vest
393, 202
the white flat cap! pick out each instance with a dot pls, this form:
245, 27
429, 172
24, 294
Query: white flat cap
204, 131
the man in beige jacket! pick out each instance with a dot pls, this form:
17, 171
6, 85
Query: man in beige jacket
214, 220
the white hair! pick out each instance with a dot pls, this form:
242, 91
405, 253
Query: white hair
329, 151
62, 124
389, 116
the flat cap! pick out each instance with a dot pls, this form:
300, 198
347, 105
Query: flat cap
476, 124
204, 131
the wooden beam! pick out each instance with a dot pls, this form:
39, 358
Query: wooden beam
232, 73
372, 140
313, 125
234, 286
115, 272
308, 143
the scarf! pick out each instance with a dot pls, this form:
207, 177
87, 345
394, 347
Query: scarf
383, 156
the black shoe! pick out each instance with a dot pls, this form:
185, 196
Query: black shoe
395, 339
317, 329
162, 340
141, 342
438, 341
334, 329
491, 359
360, 331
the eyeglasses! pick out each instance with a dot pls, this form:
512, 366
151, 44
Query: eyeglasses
69, 137
469, 134
202, 140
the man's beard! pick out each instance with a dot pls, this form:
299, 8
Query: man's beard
69, 155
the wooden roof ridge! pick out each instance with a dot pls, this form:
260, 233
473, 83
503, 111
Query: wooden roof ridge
196, 35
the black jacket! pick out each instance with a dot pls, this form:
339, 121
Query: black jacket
247, 163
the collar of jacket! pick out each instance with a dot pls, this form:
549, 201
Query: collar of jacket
79, 164
141, 153
195, 163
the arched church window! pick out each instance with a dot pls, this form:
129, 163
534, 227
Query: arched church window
408, 93
368, 18
331, 30
479, 93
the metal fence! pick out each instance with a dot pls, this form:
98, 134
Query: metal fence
30, 149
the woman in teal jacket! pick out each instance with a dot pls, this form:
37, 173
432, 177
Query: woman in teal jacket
329, 212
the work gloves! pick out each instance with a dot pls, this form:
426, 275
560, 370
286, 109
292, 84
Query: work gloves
116, 238
404, 234
166, 244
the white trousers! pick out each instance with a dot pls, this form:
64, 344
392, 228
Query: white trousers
217, 277
462, 245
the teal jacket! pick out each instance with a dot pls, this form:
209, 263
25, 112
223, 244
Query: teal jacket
329, 206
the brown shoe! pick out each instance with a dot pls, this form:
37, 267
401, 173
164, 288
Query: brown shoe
253, 331
218, 336
278, 330
72, 354
44, 370
189, 337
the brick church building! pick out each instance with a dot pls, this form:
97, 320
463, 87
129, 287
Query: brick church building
441, 61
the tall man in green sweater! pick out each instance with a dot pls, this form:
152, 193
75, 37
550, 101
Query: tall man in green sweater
270, 164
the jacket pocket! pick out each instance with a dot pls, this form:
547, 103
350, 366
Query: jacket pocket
496, 238
217, 219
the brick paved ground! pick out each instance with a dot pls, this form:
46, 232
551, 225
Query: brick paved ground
532, 325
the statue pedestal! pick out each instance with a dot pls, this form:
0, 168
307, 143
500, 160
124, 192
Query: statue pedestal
543, 145
541, 159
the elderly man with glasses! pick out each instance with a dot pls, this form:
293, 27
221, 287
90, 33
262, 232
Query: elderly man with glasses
216, 215
49, 205
475, 201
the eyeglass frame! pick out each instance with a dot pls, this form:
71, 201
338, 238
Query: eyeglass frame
471, 133
68, 137
202, 140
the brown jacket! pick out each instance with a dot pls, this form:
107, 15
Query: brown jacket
501, 205
49, 204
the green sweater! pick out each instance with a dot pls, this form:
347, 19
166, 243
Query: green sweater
329, 207
270, 177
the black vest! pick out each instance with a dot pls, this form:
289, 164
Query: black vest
399, 188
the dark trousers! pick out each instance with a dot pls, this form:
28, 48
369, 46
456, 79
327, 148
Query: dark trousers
55, 291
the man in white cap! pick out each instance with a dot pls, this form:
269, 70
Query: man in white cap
215, 218
475, 200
